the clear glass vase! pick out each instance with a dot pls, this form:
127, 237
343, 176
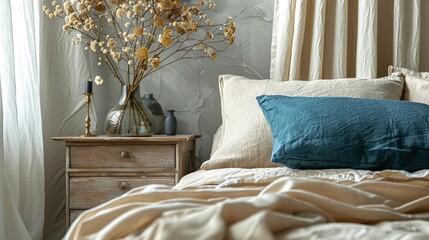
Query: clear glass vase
129, 117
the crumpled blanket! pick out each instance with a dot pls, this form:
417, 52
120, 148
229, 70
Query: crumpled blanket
286, 208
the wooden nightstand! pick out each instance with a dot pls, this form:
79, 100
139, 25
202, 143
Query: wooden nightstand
101, 168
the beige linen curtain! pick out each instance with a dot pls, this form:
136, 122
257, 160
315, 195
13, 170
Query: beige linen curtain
314, 39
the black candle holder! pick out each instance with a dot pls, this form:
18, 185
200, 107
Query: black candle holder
87, 132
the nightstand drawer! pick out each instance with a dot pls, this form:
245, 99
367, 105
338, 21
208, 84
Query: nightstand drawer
88, 192
149, 156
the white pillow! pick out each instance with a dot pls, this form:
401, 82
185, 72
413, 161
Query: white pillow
416, 85
245, 139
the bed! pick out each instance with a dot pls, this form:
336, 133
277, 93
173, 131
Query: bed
322, 159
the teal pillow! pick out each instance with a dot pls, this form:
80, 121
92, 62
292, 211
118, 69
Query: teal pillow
338, 132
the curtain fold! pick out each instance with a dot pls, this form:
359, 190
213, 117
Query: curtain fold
21, 140
318, 37
315, 39
366, 49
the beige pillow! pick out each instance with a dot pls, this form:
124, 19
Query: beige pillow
416, 85
244, 139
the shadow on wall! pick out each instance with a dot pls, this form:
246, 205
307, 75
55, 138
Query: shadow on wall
190, 87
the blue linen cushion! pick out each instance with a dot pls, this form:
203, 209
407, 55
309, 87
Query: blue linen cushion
340, 132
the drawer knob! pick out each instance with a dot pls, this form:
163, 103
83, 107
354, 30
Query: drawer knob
124, 185
125, 154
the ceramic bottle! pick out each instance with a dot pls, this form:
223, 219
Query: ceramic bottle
170, 123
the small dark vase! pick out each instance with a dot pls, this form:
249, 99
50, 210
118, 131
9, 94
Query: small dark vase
158, 114
170, 123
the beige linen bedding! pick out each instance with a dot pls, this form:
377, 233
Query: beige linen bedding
262, 176
270, 203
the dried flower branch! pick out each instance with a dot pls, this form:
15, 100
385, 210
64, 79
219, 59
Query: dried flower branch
136, 38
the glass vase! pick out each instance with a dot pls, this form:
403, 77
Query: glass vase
129, 117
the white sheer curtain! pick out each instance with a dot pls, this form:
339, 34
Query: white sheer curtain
315, 39
21, 142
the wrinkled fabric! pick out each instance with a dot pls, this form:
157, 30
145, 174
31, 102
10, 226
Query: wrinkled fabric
281, 208
261, 176
315, 39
